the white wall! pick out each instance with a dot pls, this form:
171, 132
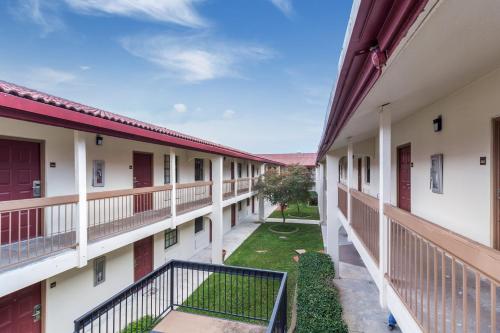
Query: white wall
464, 207
183, 250
75, 294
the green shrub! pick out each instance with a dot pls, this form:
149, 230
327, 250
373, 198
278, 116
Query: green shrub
318, 304
143, 325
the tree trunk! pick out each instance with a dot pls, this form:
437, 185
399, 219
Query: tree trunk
283, 212
298, 209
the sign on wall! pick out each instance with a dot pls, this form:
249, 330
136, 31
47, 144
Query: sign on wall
437, 173
98, 173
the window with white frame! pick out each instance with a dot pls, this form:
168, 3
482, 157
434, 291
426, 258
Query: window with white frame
99, 270
198, 224
166, 169
198, 169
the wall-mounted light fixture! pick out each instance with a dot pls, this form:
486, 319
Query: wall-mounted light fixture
99, 140
438, 124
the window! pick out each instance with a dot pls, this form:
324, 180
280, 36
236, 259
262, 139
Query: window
248, 201
166, 169
239, 206
176, 168
239, 170
198, 224
99, 270
198, 169
171, 237
367, 170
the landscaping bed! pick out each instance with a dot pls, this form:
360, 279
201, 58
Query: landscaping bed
318, 302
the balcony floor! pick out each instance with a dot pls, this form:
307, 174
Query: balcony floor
181, 322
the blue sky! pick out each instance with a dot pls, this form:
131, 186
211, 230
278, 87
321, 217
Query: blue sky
252, 74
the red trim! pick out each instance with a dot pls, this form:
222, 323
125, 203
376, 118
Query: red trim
25, 109
379, 27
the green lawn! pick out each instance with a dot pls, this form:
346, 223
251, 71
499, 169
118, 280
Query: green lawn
263, 249
306, 212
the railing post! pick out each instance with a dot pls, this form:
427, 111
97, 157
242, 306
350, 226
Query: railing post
171, 285
81, 188
384, 197
332, 211
217, 215
173, 181
350, 180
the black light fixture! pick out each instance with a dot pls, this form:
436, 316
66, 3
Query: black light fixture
99, 140
438, 124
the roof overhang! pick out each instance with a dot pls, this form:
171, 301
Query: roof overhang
379, 26
33, 111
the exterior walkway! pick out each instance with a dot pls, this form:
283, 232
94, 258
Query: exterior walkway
358, 293
181, 322
232, 239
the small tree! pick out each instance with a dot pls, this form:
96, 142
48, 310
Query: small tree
300, 181
275, 189
282, 189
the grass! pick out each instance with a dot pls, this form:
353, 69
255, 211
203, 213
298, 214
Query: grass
274, 253
306, 212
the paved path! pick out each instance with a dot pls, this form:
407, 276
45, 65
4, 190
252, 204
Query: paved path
358, 293
289, 220
232, 239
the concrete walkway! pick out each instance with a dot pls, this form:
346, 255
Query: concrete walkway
289, 220
358, 293
232, 239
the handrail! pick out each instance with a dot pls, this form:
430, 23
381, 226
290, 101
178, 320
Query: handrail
367, 199
342, 186
193, 184
229, 181
484, 259
130, 191
37, 202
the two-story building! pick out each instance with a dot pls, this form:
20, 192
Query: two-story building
409, 159
91, 201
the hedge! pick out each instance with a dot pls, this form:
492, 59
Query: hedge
318, 304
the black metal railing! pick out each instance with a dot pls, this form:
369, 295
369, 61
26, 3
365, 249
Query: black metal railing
249, 295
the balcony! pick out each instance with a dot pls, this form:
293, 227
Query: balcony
446, 282
181, 290
243, 185
228, 188
36, 228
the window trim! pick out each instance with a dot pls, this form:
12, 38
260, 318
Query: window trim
202, 224
168, 235
97, 261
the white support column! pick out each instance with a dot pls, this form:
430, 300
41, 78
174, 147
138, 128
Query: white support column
261, 199
332, 212
249, 176
173, 181
235, 171
350, 180
81, 188
384, 196
320, 190
217, 216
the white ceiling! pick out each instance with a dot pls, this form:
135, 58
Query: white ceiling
453, 43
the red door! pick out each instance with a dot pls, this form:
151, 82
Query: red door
21, 311
233, 215
19, 169
143, 257
404, 177
143, 177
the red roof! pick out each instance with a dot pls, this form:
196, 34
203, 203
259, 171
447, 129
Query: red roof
65, 113
305, 159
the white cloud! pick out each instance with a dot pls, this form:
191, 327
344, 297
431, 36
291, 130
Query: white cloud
285, 6
228, 114
180, 108
40, 12
51, 76
180, 12
195, 58
85, 68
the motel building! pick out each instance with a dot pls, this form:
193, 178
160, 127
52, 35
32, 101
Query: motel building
410, 159
101, 210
